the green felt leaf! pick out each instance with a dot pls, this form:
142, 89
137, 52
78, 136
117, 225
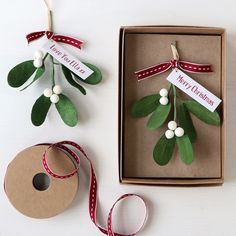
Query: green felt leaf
20, 74
185, 149
39, 72
159, 116
186, 123
94, 78
69, 78
145, 105
40, 110
202, 113
67, 111
163, 150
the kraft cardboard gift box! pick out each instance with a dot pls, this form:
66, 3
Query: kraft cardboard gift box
144, 46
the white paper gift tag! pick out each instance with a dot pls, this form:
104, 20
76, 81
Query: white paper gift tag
65, 58
194, 89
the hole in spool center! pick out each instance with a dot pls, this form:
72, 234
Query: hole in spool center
41, 181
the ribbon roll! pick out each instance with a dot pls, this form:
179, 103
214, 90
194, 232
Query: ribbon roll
58, 38
93, 185
163, 67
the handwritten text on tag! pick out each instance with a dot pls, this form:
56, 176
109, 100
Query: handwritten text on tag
194, 89
65, 58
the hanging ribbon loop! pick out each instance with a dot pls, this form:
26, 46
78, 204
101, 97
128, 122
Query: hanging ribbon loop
51, 35
93, 186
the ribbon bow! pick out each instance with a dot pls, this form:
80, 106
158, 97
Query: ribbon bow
163, 67
58, 38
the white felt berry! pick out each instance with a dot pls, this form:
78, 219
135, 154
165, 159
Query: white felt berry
54, 98
163, 92
169, 134
38, 54
57, 89
38, 63
164, 101
179, 132
47, 92
172, 125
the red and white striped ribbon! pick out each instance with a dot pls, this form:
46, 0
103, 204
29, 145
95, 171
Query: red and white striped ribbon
93, 185
58, 38
163, 67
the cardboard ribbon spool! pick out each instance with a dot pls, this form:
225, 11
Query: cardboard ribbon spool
32, 191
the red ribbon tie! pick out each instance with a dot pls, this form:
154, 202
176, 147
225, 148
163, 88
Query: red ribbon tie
56, 37
163, 67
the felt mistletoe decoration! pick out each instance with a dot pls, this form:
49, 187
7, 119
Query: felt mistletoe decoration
180, 129
75, 72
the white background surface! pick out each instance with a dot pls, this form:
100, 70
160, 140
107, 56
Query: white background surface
173, 211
